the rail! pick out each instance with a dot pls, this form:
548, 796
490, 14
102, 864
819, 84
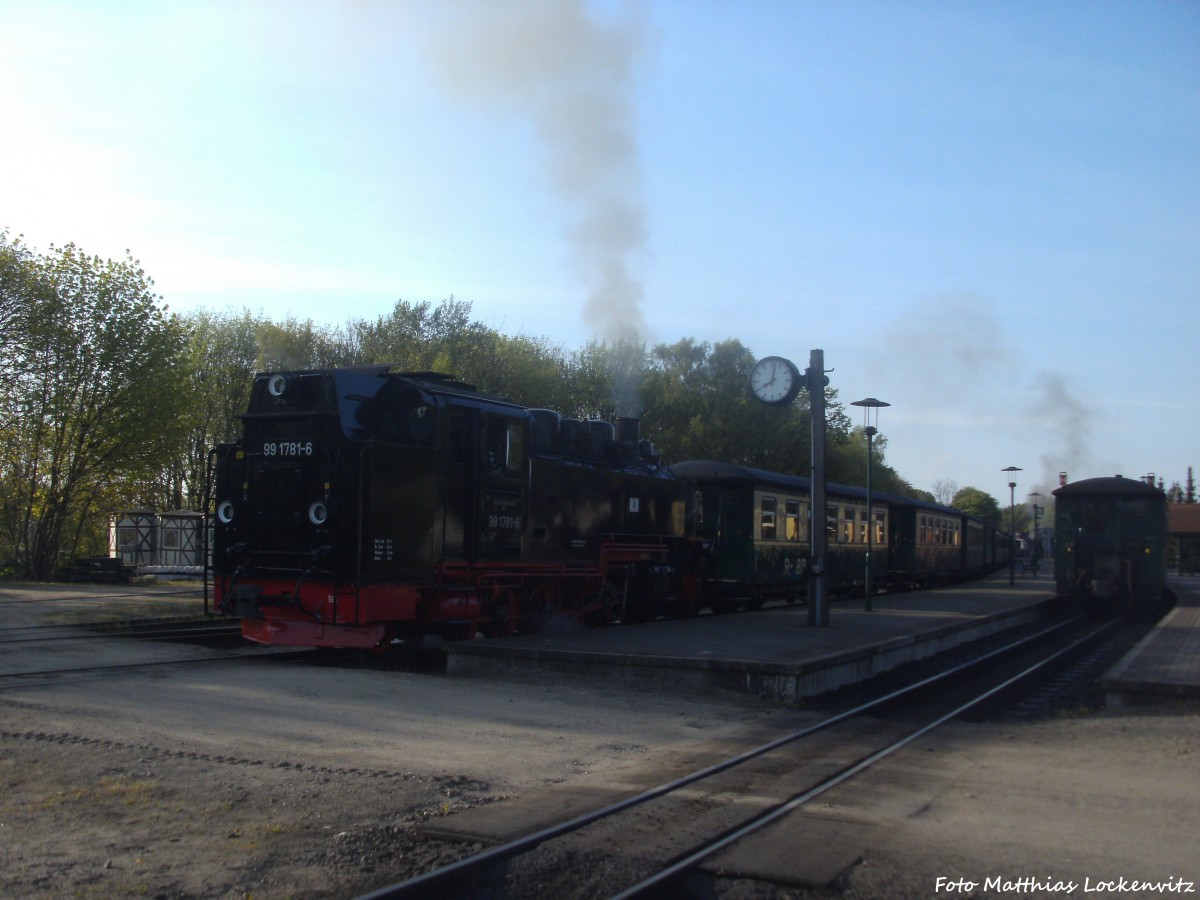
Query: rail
442, 880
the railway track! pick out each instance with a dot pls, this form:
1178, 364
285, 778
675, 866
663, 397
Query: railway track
42, 597
147, 629
640, 846
211, 633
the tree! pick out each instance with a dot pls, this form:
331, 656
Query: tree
295, 344
697, 407
944, 491
221, 356
93, 399
980, 504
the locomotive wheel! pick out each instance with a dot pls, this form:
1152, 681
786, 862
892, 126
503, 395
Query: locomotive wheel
538, 607
506, 615
602, 610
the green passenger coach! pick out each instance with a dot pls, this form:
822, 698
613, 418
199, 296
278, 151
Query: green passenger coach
758, 524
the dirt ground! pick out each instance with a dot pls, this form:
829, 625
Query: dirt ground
278, 780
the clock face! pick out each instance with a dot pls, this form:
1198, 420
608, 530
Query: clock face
775, 380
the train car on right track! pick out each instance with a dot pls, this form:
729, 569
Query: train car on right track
1110, 543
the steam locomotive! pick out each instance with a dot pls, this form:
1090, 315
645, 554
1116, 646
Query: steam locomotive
362, 506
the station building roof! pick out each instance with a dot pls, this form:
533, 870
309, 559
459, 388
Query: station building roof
1183, 519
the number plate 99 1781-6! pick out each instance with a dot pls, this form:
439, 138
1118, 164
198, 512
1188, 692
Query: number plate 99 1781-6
288, 448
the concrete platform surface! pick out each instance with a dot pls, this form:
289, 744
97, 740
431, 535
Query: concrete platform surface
773, 652
1165, 663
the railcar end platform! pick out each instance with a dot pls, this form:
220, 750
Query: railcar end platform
773, 653
1166, 662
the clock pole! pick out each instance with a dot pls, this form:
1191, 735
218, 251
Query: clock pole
818, 584
776, 381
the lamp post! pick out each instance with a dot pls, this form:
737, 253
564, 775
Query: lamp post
1012, 520
868, 404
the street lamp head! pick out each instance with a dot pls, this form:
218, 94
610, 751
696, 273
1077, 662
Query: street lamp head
1012, 470
868, 404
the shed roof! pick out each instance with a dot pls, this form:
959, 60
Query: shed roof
1183, 518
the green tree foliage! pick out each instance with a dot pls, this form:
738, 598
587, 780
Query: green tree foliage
222, 354
598, 384
697, 406
846, 459
981, 504
295, 344
110, 403
419, 337
93, 401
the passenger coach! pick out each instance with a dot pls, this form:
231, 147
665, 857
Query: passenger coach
757, 525
1110, 539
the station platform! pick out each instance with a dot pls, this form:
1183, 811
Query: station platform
773, 653
1166, 663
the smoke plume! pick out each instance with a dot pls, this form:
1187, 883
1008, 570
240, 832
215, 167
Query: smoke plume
946, 362
948, 346
1065, 421
551, 62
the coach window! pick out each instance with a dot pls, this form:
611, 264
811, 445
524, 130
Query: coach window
848, 525
767, 522
831, 524
880, 526
791, 520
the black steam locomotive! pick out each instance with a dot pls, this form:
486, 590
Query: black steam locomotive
362, 506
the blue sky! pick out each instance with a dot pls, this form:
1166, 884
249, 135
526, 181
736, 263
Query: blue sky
985, 213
